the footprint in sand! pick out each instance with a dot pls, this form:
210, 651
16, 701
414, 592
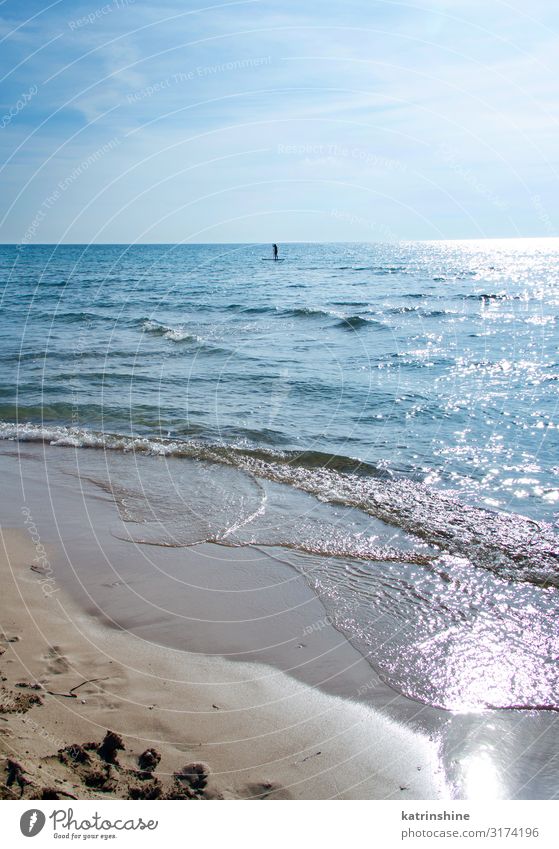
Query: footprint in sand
8, 638
265, 790
57, 662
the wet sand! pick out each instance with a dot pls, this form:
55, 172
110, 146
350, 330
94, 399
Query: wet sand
213, 654
262, 733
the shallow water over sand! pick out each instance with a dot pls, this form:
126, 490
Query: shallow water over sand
441, 628
253, 604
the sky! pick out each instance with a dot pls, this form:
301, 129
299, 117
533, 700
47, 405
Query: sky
275, 120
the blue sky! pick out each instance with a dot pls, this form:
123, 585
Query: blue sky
258, 120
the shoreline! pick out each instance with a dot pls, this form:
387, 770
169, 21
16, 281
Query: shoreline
263, 733
235, 721
250, 671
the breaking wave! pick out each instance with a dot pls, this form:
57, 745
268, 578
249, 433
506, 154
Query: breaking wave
510, 545
175, 334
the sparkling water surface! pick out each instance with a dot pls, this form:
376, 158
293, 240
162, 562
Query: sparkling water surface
385, 413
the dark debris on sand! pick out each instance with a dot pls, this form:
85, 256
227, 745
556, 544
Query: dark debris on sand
92, 770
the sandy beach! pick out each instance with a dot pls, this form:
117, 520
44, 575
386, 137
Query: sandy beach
279, 432
70, 675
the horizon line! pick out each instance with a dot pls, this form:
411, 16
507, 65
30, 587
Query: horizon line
283, 242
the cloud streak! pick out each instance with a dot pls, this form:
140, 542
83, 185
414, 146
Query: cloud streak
203, 100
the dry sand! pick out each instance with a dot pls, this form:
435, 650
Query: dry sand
261, 735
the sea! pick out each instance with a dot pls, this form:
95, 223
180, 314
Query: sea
385, 415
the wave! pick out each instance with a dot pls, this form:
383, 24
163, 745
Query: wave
435, 313
511, 545
289, 312
424, 313
313, 312
257, 310
350, 303
390, 269
175, 334
376, 269
77, 316
91, 415
356, 322
307, 312
487, 296
44, 356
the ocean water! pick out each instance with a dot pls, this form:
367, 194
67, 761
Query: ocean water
385, 414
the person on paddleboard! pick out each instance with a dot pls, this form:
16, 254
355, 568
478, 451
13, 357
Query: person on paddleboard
275, 250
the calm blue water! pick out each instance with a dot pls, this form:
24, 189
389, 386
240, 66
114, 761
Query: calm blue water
438, 361
406, 394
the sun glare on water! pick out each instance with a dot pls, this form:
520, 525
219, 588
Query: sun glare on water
481, 777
